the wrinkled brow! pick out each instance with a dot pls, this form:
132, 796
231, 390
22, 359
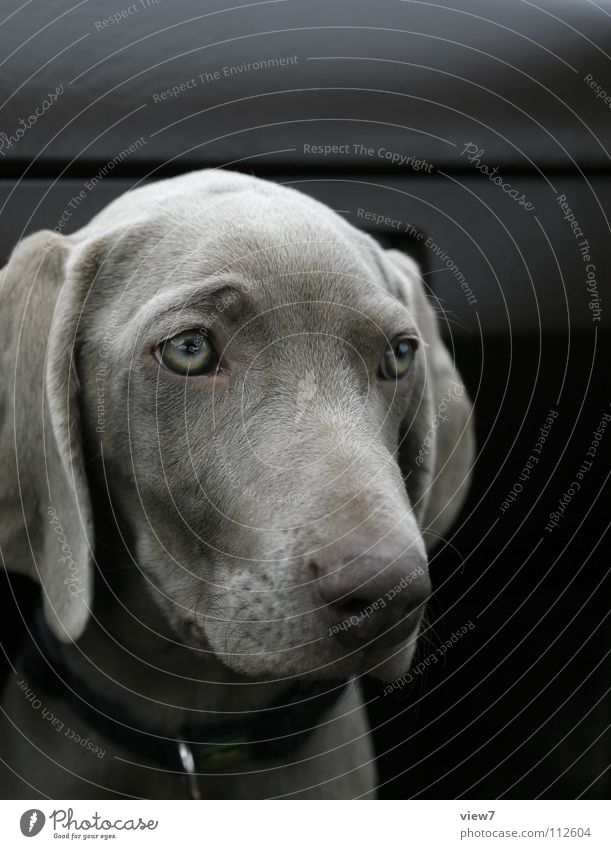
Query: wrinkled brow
208, 300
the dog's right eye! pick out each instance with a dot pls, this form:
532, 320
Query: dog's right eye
189, 353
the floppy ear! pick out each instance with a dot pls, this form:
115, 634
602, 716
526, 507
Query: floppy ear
437, 445
46, 528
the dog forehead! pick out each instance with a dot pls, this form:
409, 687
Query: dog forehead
279, 244
275, 258
290, 241
288, 229
215, 201
303, 280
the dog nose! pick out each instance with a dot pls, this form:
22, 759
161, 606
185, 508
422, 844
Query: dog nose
377, 593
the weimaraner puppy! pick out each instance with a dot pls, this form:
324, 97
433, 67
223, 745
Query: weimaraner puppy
230, 431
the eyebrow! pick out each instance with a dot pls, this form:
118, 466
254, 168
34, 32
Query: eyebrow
392, 316
219, 297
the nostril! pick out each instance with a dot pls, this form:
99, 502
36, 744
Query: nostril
313, 570
336, 589
350, 608
330, 583
369, 597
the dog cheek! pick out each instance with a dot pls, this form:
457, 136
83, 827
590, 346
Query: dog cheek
253, 636
234, 629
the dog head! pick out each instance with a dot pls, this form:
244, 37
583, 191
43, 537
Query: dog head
259, 387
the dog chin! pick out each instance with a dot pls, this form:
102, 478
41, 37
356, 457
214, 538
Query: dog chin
276, 667
385, 664
389, 664
328, 663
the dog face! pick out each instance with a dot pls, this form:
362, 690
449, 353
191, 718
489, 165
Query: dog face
260, 380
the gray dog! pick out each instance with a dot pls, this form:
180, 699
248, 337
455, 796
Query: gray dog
230, 431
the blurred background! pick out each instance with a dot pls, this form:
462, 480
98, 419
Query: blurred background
473, 135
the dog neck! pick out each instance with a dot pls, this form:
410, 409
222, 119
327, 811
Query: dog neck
181, 741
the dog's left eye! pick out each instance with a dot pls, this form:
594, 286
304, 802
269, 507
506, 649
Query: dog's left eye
397, 359
189, 353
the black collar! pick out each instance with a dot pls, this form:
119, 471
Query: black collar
273, 732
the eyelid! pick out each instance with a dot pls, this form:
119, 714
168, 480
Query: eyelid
407, 336
194, 331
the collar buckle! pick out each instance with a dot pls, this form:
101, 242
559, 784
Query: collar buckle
188, 764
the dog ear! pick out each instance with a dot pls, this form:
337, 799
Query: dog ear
46, 526
437, 443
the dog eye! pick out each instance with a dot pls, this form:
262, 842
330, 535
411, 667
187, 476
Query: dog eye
397, 359
189, 353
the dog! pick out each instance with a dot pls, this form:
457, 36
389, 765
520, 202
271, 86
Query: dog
230, 434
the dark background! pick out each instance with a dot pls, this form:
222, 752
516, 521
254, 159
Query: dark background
519, 706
